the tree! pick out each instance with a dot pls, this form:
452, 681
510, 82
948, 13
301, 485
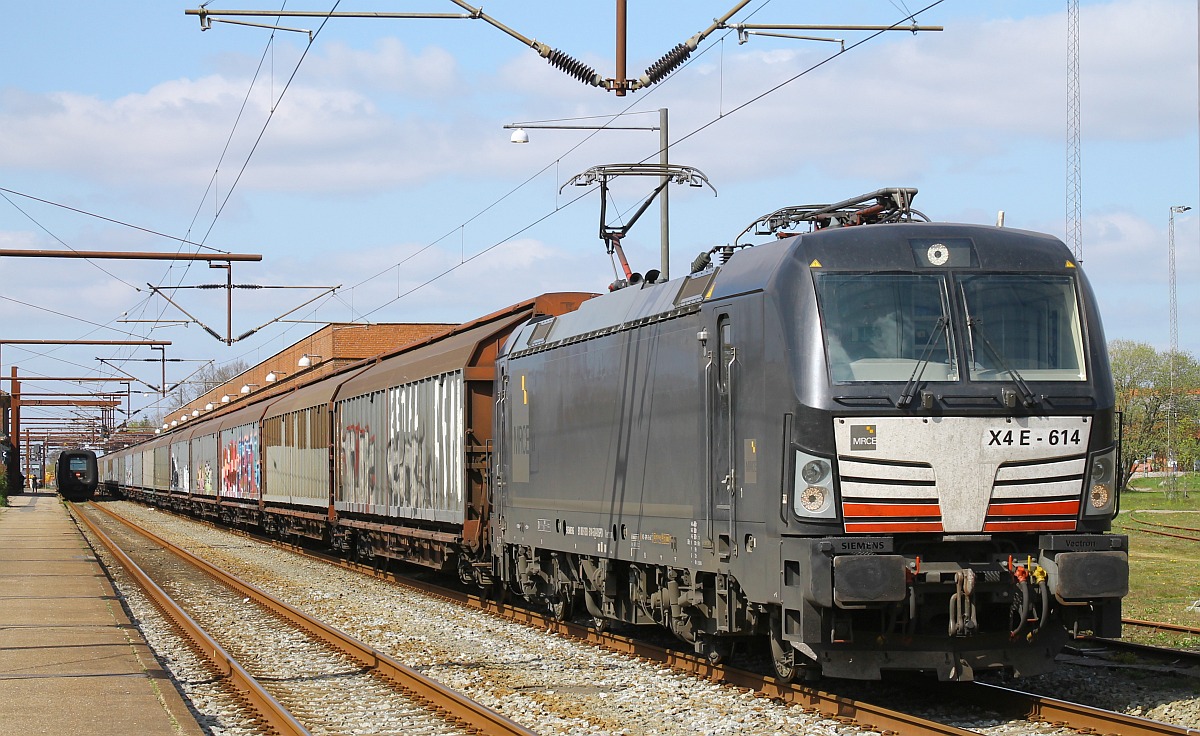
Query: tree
1142, 381
199, 383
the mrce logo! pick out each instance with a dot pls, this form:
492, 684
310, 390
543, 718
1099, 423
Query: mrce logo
863, 437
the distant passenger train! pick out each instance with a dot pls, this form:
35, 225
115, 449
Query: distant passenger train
877, 445
77, 474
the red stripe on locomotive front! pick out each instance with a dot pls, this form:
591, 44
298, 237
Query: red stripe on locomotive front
1047, 508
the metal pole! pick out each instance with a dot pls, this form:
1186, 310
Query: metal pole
85, 342
14, 425
128, 255
162, 387
1174, 342
619, 87
664, 227
229, 303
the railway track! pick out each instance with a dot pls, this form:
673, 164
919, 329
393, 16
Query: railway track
1156, 530
1177, 628
1166, 659
834, 705
300, 676
1182, 661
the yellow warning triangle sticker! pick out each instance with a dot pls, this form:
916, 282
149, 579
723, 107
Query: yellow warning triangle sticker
1070, 265
815, 264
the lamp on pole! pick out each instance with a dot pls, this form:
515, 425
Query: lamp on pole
664, 230
1177, 209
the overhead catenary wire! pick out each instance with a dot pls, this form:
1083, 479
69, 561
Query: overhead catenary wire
5, 192
592, 133
720, 117
262, 131
341, 299
141, 306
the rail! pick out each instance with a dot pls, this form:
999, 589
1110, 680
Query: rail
273, 714
451, 704
1008, 701
1080, 717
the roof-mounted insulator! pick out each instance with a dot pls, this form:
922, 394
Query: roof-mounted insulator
574, 67
669, 62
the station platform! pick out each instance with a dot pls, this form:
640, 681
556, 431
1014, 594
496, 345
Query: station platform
71, 662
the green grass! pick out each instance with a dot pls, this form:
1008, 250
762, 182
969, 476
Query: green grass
1163, 578
1183, 482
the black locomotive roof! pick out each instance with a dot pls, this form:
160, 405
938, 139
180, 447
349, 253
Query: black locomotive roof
883, 247
891, 247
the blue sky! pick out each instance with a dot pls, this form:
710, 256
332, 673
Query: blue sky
385, 163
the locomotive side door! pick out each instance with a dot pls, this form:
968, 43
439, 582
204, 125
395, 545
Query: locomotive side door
721, 371
500, 445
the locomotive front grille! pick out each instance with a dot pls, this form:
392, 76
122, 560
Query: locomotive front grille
1038, 495
882, 496
961, 474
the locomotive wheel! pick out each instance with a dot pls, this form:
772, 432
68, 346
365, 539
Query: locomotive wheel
560, 607
783, 658
714, 649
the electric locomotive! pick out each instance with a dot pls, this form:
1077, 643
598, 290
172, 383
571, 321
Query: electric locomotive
77, 475
881, 444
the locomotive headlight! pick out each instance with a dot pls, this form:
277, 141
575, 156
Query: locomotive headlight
813, 498
814, 471
1101, 483
813, 489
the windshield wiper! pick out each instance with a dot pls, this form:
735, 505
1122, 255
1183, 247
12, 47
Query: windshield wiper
909, 392
1027, 397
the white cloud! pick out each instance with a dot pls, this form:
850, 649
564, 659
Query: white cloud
389, 67
889, 108
979, 108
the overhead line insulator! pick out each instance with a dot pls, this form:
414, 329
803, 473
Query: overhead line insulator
574, 67
669, 62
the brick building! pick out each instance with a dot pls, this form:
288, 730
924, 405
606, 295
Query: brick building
324, 352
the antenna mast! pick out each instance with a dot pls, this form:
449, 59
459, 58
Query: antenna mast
1074, 210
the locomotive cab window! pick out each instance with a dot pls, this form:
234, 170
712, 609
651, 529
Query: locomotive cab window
726, 353
883, 327
1026, 323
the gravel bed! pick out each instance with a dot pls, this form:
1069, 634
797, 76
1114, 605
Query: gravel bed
557, 686
211, 701
1146, 693
325, 690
